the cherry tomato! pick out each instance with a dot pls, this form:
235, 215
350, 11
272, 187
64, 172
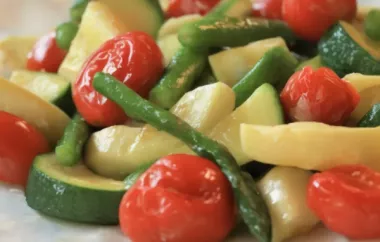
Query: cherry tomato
181, 198
179, 8
19, 144
319, 96
346, 198
46, 55
271, 9
311, 18
133, 58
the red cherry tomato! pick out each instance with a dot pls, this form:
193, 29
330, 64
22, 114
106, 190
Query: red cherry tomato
311, 18
319, 96
346, 198
271, 9
46, 55
181, 198
19, 144
133, 58
179, 8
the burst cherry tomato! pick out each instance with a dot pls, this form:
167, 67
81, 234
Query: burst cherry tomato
133, 58
179, 8
311, 18
46, 55
271, 9
19, 144
181, 198
319, 96
346, 199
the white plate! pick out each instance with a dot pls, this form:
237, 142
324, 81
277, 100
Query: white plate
18, 223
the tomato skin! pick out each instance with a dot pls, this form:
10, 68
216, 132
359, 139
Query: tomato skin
179, 8
346, 198
319, 96
271, 9
134, 59
309, 19
19, 144
181, 198
46, 55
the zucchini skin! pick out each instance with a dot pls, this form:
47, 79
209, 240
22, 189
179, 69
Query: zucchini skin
342, 54
70, 202
372, 118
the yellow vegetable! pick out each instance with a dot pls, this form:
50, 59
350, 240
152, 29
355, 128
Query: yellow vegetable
50, 120
137, 15
208, 109
252, 111
368, 98
284, 190
369, 90
98, 25
260, 108
311, 146
13, 53
231, 65
240, 10
169, 45
43, 84
117, 151
173, 25
362, 82
168, 35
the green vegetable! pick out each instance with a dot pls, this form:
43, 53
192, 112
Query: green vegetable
372, 118
232, 32
251, 205
275, 67
346, 50
49, 86
186, 66
69, 148
231, 65
314, 63
77, 10
128, 147
65, 33
73, 193
372, 24
132, 178
169, 46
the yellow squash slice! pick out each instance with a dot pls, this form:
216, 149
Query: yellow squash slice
311, 146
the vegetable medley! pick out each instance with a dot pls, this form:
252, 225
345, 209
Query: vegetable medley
197, 120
